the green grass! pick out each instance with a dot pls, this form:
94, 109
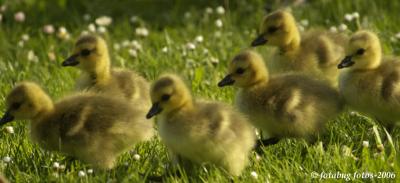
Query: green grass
289, 161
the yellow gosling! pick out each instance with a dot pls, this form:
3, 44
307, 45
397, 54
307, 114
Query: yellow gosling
200, 131
94, 128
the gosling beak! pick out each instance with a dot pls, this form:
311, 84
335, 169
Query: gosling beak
346, 62
71, 61
260, 40
155, 109
7, 117
226, 81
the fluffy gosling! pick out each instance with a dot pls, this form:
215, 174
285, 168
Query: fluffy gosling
200, 131
371, 83
290, 105
93, 128
315, 53
91, 56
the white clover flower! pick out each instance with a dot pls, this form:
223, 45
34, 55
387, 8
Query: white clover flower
32, 56
134, 19
333, 29
63, 33
81, 173
199, 38
141, 31
84, 33
214, 60
136, 45
62, 167
348, 17
205, 51
48, 29
126, 43
254, 174
353, 113
56, 165
25, 37
136, 157
164, 49
209, 10
304, 22
19, 16
102, 29
9, 129
258, 157
3, 8
397, 35
103, 21
21, 43
90, 171
393, 39
356, 15
132, 52
218, 23
187, 15
52, 56
86, 17
220, 10
365, 143
190, 46
117, 46
92, 28
342, 27
7, 159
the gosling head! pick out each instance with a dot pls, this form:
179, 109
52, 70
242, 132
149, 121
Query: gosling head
277, 29
363, 51
90, 54
245, 70
168, 93
26, 101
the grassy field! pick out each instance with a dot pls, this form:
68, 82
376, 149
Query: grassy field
196, 41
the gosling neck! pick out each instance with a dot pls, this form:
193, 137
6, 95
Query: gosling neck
260, 80
187, 105
102, 74
46, 110
292, 46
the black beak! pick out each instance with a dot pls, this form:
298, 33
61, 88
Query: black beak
7, 117
260, 40
346, 62
71, 61
155, 109
226, 81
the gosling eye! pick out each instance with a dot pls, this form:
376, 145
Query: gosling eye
85, 52
240, 71
360, 51
272, 29
16, 105
165, 97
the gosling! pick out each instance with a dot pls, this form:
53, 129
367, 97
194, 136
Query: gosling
315, 53
371, 83
91, 56
283, 106
200, 131
90, 127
